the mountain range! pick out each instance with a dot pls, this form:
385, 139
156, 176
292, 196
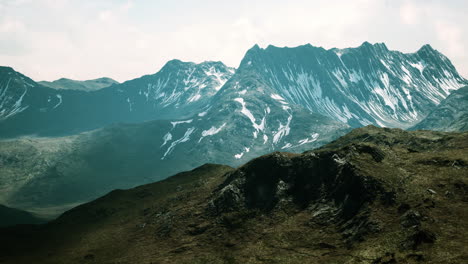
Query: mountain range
177, 90
77, 145
359, 86
88, 85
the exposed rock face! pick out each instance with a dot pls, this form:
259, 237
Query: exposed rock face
366, 85
303, 180
359, 86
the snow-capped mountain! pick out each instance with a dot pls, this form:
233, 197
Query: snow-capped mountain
176, 91
369, 84
18, 93
239, 124
288, 99
244, 120
241, 121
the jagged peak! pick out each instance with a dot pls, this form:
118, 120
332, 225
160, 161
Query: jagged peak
214, 63
7, 68
176, 63
366, 44
376, 46
381, 45
255, 47
426, 48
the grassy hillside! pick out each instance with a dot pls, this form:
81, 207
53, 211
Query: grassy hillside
373, 196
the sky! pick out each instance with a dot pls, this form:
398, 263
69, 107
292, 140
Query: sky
125, 39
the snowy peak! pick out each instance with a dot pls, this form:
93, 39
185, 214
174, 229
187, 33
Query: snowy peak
426, 48
177, 91
218, 72
180, 83
366, 85
255, 120
14, 87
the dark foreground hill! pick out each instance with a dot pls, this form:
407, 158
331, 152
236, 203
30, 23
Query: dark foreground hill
373, 196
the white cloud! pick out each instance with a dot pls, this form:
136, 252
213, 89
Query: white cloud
410, 13
451, 34
8, 25
49, 39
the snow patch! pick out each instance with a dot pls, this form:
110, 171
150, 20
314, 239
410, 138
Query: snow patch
212, 71
59, 103
175, 123
339, 53
249, 115
194, 98
212, 131
288, 145
313, 138
419, 65
129, 104
184, 138
277, 97
283, 130
238, 156
166, 138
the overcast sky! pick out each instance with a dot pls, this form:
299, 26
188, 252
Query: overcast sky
124, 39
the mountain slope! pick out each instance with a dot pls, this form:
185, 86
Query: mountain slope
16, 93
12, 216
450, 115
88, 85
343, 203
359, 86
176, 91
51, 172
239, 122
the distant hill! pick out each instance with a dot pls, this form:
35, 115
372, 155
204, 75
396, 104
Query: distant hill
11, 216
88, 85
